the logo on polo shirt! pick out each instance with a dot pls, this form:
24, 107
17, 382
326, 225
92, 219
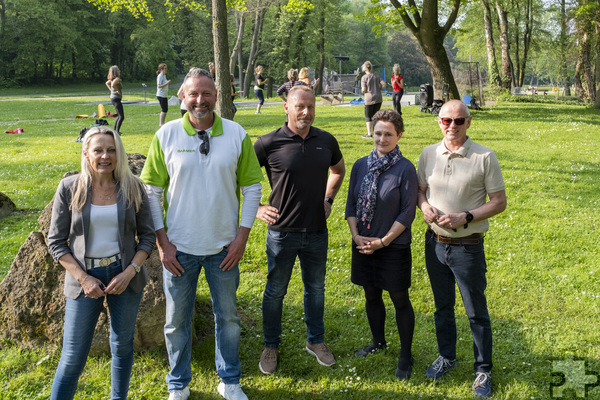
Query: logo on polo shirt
186, 150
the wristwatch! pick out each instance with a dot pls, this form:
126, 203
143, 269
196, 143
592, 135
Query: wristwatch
329, 200
469, 217
136, 267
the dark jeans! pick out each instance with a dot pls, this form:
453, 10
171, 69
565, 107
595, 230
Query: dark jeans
462, 264
260, 96
282, 250
396, 97
120, 114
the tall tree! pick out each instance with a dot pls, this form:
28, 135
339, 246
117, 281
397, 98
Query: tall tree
524, 22
259, 16
220, 37
584, 22
563, 49
493, 75
423, 20
240, 24
508, 78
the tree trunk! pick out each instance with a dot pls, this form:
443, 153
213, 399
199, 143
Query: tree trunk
430, 35
258, 21
579, 91
2, 22
321, 50
516, 12
507, 72
221, 50
597, 69
240, 19
563, 49
439, 65
526, 41
584, 60
493, 75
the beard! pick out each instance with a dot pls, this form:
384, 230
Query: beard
303, 123
203, 113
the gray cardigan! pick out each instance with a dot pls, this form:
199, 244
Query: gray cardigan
69, 230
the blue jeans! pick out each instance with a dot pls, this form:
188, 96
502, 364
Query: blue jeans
180, 293
282, 249
81, 316
463, 264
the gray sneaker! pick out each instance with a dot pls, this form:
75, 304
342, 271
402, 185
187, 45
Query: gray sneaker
482, 387
268, 361
322, 353
439, 368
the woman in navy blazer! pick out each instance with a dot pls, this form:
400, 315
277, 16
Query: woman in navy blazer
101, 233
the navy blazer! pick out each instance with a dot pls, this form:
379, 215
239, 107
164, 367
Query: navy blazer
69, 230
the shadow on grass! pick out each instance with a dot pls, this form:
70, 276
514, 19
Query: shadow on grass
519, 371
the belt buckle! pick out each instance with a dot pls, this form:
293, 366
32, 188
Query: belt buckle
104, 262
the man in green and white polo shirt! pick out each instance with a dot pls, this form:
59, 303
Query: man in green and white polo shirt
199, 164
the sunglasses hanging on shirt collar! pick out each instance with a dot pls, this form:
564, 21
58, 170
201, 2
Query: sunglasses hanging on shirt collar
205, 145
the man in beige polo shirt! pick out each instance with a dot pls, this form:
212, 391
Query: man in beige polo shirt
456, 178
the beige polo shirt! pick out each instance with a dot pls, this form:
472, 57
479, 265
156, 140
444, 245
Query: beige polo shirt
459, 181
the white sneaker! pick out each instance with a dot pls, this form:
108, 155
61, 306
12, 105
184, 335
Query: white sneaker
232, 392
182, 394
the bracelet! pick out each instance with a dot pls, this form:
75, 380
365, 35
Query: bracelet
383, 244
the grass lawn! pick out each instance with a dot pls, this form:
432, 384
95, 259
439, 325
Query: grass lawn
542, 252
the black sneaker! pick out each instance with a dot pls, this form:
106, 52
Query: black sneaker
439, 367
404, 368
372, 348
482, 387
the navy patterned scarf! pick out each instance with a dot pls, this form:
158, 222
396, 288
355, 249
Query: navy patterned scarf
367, 197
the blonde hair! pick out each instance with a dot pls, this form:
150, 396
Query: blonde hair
303, 73
113, 72
367, 66
130, 186
161, 66
292, 74
396, 68
259, 68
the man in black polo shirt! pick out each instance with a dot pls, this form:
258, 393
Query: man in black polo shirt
298, 158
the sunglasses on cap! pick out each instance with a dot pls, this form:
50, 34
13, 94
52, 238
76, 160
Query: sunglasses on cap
457, 121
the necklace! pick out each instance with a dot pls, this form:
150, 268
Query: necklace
104, 194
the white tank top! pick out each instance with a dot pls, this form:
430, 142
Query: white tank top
103, 238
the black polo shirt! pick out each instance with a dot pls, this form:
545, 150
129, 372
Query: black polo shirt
298, 170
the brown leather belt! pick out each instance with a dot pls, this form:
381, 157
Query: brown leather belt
471, 239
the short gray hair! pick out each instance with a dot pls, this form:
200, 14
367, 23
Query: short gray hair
197, 73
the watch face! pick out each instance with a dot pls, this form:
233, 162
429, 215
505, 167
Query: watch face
469, 217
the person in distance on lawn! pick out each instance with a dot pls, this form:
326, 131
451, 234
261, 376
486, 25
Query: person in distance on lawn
371, 85
116, 94
456, 177
298, 158
202, 160
381, 206
162, 92
101, 232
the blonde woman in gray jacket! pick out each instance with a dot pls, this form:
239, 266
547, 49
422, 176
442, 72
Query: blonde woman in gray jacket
96, 218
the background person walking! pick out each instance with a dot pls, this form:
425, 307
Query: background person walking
162, 91
116, 95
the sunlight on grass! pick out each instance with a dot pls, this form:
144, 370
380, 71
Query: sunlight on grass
543, 259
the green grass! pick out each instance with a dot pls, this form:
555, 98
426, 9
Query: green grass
543, 260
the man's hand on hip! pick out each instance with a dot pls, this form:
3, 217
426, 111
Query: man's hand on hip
269, 214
